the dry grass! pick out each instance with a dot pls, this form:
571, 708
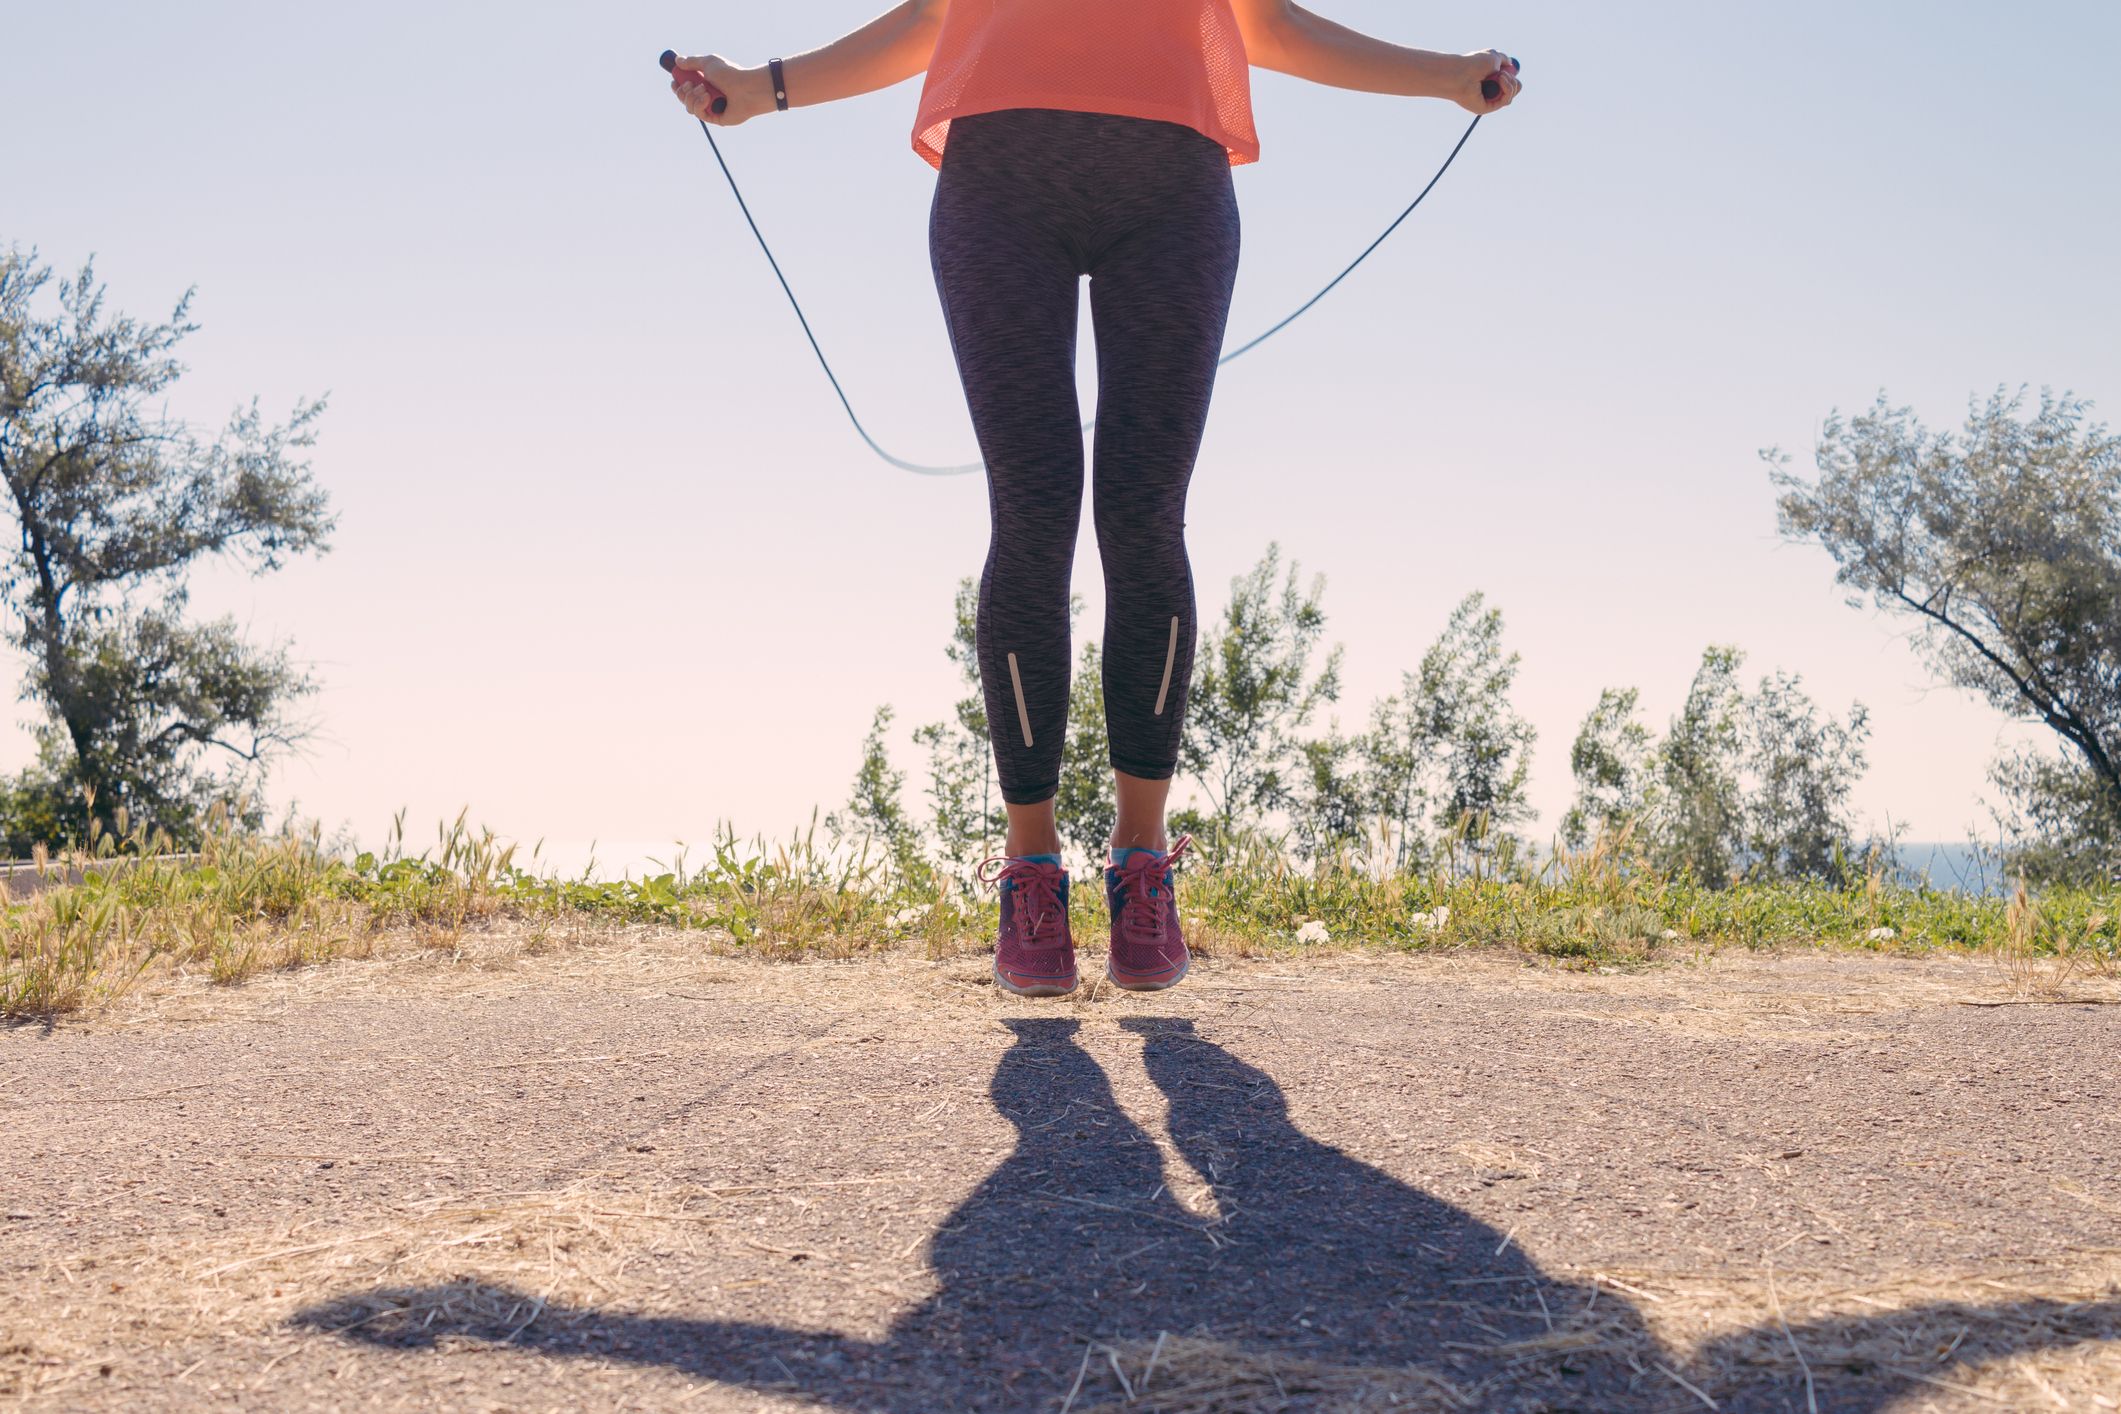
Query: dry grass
1699, 1333
2042, 955
487, 1268
459, 1265
1180, 1375
246, 904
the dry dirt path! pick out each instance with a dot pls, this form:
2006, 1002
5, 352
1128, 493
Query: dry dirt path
624, 1175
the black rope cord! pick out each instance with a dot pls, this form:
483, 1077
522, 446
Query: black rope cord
920, 469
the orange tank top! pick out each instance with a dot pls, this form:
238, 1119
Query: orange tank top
1182, 61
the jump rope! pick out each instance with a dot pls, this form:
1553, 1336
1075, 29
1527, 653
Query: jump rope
1490, 89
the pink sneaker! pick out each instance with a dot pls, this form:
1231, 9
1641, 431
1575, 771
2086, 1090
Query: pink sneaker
1034, 956
1148, 951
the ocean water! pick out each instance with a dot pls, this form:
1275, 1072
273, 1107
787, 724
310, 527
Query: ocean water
1958, 866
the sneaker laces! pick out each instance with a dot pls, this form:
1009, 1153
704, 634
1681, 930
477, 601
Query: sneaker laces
1142, 912
1038, 896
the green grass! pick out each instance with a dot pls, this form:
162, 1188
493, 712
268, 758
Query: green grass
248, 903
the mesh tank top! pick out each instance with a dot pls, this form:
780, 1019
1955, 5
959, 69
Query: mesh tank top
1182, 61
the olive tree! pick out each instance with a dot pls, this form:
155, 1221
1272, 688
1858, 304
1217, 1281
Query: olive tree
115, 501
2001, 544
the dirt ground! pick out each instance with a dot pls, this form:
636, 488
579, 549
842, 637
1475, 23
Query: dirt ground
625, 1175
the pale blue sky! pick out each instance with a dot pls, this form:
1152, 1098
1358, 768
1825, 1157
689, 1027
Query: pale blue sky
611, 564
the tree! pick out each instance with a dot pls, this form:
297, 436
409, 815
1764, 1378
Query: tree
1085, 808
1396, 754
1485, 747
1610, 760
961, 784
1331, 809
1802, 768
1253, 691
2059, 826
875, 812
1700, 812
2002, 545
1752, 785
115, 501
1448, 754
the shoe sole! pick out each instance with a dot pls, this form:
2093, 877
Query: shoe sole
1034, 989
1148, 982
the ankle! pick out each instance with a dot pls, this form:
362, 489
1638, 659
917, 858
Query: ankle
1141, 839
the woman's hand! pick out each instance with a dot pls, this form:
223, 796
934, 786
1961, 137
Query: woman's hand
749, 91
1488, 64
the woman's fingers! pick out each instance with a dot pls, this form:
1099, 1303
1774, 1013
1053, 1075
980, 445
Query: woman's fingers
1502, 72
699, 79
697, 97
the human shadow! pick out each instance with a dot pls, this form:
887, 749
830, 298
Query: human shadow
1305, 1279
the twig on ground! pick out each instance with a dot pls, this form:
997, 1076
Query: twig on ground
1631, 1290
1678, 1379
1967, 1390
1112, 1356
1154, 1356
1076, 1388
1811, 1395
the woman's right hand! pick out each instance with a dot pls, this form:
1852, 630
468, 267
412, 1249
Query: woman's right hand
1488, 64
749, 91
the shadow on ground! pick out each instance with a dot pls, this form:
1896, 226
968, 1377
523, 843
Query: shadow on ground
1326, 1284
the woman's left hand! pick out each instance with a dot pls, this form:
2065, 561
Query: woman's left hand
1479, 68
749, 91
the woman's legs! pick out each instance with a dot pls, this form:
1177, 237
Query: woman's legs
1033, 829
1028, 201
1160, 299
1141, 812
1004, 244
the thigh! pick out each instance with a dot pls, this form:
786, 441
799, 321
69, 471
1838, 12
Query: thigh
1160, 301
1010, 290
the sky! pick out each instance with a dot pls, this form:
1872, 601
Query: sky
610, 565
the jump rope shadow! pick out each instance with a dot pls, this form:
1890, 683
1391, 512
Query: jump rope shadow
1323, 1283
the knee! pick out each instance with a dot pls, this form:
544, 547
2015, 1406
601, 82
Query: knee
1141, 537
1019, 560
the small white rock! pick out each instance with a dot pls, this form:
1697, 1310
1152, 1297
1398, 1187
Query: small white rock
1313, 932
1881, 935
1670, 935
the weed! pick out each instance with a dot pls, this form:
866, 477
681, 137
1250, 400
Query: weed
245, 903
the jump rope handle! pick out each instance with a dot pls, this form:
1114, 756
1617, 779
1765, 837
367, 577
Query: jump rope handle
1490, 89
669, 62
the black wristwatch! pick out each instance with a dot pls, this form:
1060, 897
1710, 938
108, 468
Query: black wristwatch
780, 85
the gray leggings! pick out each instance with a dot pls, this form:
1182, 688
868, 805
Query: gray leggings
1028, 201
